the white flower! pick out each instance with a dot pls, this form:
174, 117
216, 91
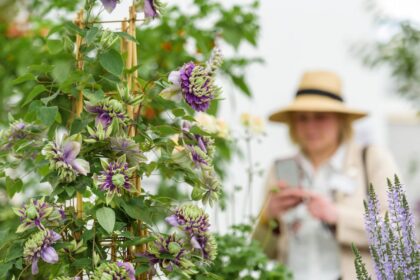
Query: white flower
255, 124
212, 125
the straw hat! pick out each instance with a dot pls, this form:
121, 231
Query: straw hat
318, 91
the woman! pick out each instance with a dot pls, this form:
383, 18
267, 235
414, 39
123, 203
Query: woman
310, 227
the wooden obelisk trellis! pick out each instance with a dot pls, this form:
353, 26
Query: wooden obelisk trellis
129, 48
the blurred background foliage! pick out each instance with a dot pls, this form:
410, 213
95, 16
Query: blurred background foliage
398, 53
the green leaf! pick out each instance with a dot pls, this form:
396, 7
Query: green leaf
112, 62
178, 112
165, 130
4, 268
13, 186
61, 71
127, 36
47, 115
91, 35
37, 90
106, 218
23, 78
54, 46
239, 81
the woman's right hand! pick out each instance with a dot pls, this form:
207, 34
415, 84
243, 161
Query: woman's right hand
283, 199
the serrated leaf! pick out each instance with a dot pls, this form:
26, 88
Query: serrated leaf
112, 62
106, 218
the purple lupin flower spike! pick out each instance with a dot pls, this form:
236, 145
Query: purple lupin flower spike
392, 241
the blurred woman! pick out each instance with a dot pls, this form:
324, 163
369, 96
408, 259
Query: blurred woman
310, 226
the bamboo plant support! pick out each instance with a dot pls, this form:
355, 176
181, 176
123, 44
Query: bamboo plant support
78, 102
133, 111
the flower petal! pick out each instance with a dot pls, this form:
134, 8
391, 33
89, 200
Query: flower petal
70, 151
55, 236
35, 265
149, 9
195, 243
81, 166
109, 5
172, 220
175, 78
60, 135
49, 255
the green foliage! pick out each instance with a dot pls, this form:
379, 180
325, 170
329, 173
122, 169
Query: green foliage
39, 81
361, 271
240, 257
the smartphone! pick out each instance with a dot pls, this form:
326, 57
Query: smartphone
288, 170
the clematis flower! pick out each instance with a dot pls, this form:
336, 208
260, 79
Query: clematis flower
196, 82
195, 223
206, 243
128, 147
62, 155
129, 268
109, 5
39, 246
115, 177
114, 271
106, 111
169, 253
19, 130
191, 219
36, 214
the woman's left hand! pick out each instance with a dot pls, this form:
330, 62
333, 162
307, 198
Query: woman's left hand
322, 208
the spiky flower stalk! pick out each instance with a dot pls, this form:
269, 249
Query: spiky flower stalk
39, 245
361, 271
37, 214
392, 241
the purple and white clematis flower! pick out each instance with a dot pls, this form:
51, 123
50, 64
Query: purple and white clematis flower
62, 154
39, 246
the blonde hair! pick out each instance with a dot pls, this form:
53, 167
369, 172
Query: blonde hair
346, 131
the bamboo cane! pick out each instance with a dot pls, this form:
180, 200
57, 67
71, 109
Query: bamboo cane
133, 112
78, 103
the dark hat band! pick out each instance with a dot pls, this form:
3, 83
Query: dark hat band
319, 92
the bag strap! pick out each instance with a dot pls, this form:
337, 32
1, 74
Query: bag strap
365, 171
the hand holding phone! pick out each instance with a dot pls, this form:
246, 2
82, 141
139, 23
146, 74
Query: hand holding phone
287, 170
